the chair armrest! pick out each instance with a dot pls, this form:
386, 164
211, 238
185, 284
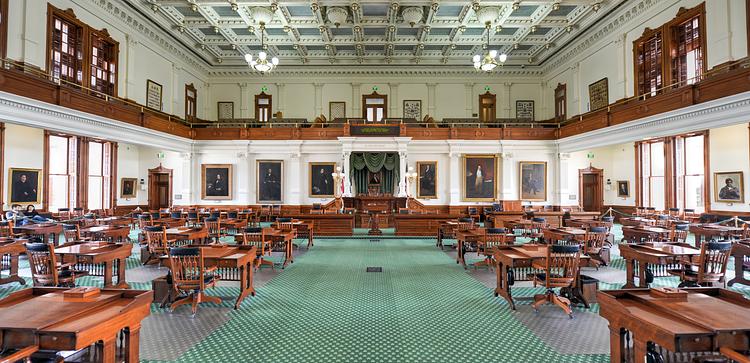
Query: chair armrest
65, 265
538, 266
211, 269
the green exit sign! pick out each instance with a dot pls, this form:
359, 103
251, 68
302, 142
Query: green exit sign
160, 155
590, 155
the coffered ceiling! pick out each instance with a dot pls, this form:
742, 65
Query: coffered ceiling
375, 32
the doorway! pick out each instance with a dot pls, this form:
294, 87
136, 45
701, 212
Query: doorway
590, 189
159, 188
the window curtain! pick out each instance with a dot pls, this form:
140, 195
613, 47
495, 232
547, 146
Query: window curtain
361, 163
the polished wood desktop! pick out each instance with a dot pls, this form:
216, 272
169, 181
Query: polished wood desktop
106, 232
121, 221
657, 256
705, 320
44, 230
553, 218
741, 254
639, 234
328, 224
420, 224
190, 234
91, 256
705, 232
43, 318
464, 238
10, 250
563, 234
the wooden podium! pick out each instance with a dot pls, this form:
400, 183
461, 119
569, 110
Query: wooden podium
374, 225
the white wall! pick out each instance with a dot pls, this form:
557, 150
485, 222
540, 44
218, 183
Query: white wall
23, 149
729, 152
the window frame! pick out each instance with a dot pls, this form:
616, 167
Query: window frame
105, 173
3, 33
561, 102
259, 107
71, 185
367, 106
493, 107
191, 103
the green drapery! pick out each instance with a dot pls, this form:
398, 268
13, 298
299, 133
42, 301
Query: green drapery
361, 163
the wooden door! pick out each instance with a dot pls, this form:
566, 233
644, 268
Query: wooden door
487, 107
159, 188
590, 189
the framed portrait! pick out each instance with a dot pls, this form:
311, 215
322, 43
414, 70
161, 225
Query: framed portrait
729, 187
525, 109
128, 187
216, 181
336, 110
24, 186
479, 178
599, 94
427, 179
413, 109
225, 110
270, 181
623, 188
153, 95
321, 180
533, 180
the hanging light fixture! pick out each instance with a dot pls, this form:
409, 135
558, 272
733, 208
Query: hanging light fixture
490, 60
262, 64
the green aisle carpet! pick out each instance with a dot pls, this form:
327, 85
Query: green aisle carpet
421, 308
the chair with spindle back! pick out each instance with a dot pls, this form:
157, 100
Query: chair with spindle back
265, 212
72, 233
215, 230
6, 228
175, 215
64, 213
679, 233
144, 220
45, 270
536, 228
191, 277
215, 214
317, 208
595, 245
193, 218
711, 267
473, 213
256, 236
157, 242
285, 224
77, 212
276, 210
493, 237
674, 213
559, 270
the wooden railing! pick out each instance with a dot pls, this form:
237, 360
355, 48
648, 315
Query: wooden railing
721, 81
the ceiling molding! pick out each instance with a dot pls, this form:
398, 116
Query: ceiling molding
379, 71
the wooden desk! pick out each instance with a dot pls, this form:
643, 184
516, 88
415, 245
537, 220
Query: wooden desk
115, 221
304, 227
446, 229
497, 219
710, 318
741, 254
329, 224
466, 237
565, 234
637, 221
170, 222
233, 264
10, 250
420, 224
516, 261
282, 237
45, 230
659, 256
107, 232
639, 234
712, 231
194, 235
42, 317
90, 256
587, 223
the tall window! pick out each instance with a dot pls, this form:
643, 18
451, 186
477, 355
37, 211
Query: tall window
690, 170
561, 102
652, 174
487, 107
103, 64
673, 54
263, 104
62, 156
3, 28
191, 102
99, 178
374, 107
66, 61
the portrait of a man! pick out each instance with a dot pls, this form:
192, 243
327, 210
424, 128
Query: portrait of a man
623, 188
533, 175
479, 177
216, 181
427, 179
728, 187
269, 181
321, 180
374, 178
128, 187
24, 185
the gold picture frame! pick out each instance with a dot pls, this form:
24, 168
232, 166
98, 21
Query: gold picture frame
722, 191
328, 168
215, 189
420, 172
479, 190
623, 188
267, 196
26, 195
528, 181
125, 185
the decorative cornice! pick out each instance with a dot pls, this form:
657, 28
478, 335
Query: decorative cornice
726, 111
360, 71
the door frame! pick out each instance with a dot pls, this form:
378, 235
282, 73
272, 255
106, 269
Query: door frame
152, 196
599, 186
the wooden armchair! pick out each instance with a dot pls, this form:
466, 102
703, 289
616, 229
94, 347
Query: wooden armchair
559, 270
473, 213
6, 228
72, 233
193, 218
679, 233
493, 237
157, 242
64, 213
317, 208
46, 271
265, 212
190, 277
256, 236
663, 221
215, 230
536, 229
144, 220
596, 245
711, 267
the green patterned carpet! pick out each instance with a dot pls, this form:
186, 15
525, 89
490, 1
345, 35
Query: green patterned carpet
421, 308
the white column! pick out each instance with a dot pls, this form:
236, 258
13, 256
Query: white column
207, 102
394, 100
454, 178
356, 97
130, 55
575, 92
431, 99
346, 156
509, 185
245, 102
292, 173
505, 102
241, 176
177, 90
252, 177
401, 173
621, 79
318, 99
187, 175
192, 175
563, 194
280, 99
469, 99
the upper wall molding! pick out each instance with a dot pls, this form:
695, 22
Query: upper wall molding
376, 71
726, 111
28, 112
